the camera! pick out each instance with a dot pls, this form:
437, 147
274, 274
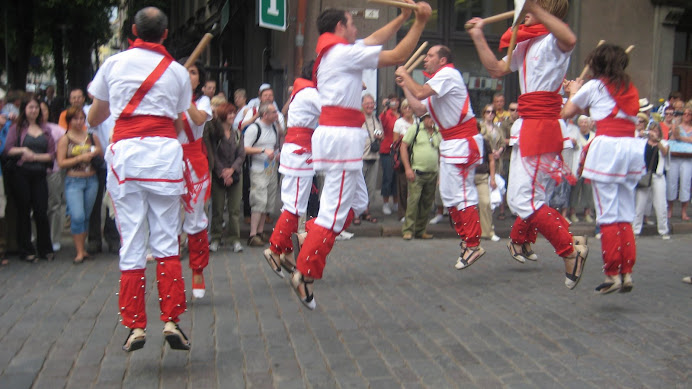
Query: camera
677, 113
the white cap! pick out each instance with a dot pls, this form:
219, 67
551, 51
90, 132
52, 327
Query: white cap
264, 87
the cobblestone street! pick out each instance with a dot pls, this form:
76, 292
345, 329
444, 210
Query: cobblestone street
390, 314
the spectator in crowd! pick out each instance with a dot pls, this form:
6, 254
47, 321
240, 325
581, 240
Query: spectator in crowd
491, 131
655, 193
49, 96
13, 100
371, 153
266, 95
209, 88
499, 108
76, 100
5, 124
75, 153
401, 126
581, 196
679, 176
421, 167
388, 118
667, 122
240, 102
672, 98
56, 184
642, 125
30, 141
485, 182
262, 146
216, 102
225, 145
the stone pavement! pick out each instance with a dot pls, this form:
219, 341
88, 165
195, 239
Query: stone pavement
390, 314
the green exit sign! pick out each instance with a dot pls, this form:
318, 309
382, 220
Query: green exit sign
272, 14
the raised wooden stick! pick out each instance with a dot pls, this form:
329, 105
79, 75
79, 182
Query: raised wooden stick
629, 49
492, 19
198, 50
416, 54
395, 4
512, 44
586, 67
414, 65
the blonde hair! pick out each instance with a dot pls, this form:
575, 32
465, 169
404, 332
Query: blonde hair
218, 100
557, 8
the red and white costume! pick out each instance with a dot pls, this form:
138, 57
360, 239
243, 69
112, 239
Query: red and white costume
614, 163
460, 151
337, 145
296, 163
145, 176
538, 137
198, 184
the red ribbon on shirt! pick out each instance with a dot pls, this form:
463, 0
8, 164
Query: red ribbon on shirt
627, 99
156, 47
428, 75
523, 33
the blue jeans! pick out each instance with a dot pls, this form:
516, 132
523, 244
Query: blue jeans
80, 195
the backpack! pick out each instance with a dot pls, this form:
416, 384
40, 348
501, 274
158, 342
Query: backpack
259, 134
395, 151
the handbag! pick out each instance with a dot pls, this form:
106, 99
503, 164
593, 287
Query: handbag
645, 180
97, 161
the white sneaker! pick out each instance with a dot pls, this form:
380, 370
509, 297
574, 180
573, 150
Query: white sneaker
665, 237
198, 293
386, 209
344, 235
214, 246
598, 236
402, 220
395, 207
438, 218
650, 222
237, 247
495, 238
56, 246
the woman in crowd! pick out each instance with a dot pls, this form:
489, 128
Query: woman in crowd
402, 124
75, 152
494, 135
615, 158
655, 193
30, 141
679, 174
581, 195
225, 147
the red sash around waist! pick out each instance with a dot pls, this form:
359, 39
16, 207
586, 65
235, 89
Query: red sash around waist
461, 131
540, 130
302, 136
341, 117
615, 127
143, 126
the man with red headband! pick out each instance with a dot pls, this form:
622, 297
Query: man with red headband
339, 140
146, 91
541, 56
446, 98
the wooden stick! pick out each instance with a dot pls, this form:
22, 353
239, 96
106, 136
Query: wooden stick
416, 54
629, 49
512, 45
198, 50
586, 67
395, 3
492, 19
414, 65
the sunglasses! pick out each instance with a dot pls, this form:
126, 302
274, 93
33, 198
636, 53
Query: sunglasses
642, 121
489, 112
512, 109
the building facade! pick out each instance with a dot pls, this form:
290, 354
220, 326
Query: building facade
244, 55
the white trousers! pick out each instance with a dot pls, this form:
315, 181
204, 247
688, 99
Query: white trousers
455, 189
295, 192
656, 195
527, 183
144, 217
342, 190
614, 202
679, 177
196, 220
